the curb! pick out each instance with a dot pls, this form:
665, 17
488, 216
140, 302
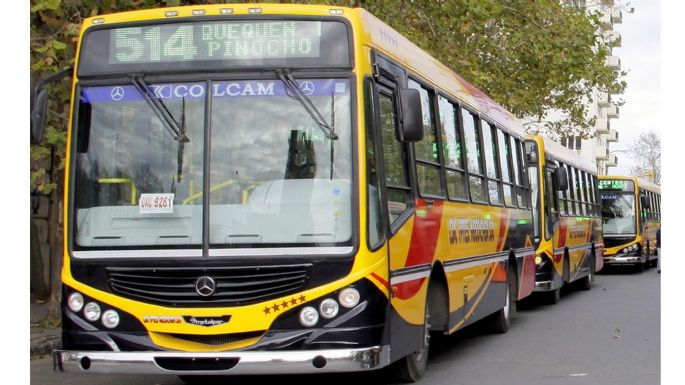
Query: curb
44, 341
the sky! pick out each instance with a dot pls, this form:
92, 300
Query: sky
640, 55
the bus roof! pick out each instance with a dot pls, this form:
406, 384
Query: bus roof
570, 157
641, 183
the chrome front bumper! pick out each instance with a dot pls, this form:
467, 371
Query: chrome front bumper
623, 259
543, 286
228, 363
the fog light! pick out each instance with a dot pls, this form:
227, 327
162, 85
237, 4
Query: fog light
349, 297
75, 302
329, 308
309, 316
92, 311
110, 318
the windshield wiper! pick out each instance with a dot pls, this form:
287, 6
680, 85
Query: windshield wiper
175, 128
287, 78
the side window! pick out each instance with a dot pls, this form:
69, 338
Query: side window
579, 196
474, 161
652, 209
394, 160
562, 195
491, 167
583, 192
519, 177
427, 155
593, 195
505, 163
588, 195
452, 149
573, 206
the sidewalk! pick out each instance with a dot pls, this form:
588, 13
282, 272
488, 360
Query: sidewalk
44, 339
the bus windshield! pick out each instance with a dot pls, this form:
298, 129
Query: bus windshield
275, 178
618, 213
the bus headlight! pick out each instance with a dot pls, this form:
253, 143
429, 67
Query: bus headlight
75, 302
538, 259
110, 318
309, 316
329, 308
349, 297
624, 251
92, 311
633, 247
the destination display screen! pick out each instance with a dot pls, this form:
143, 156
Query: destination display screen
616, 185
215, 44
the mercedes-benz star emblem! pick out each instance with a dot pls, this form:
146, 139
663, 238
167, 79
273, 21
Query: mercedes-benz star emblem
117, 93
205, 286
307, 87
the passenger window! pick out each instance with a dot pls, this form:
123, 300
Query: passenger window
473, 157
427, 156
505, 163
490, 146
452, 149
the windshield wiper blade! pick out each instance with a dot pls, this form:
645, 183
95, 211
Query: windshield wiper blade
287, 78
160, 109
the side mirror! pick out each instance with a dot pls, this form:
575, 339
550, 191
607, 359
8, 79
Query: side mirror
39, 114
644, 203
411, 127
562, 179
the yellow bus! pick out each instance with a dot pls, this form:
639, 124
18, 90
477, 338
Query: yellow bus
631, 215
568, 229
257, 189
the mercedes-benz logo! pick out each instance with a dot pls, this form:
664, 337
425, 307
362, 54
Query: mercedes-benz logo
307, 87
117, 93
205, 286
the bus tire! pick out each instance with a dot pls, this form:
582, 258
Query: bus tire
586, 283
554, 296
501, 320
413, 366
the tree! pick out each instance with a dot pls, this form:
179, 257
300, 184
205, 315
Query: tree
646, 151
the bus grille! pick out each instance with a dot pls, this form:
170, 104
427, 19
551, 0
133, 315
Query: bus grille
172, 286
218, 339
618, 241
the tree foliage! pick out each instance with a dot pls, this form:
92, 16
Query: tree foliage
646, 151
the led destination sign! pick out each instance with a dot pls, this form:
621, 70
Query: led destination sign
616, 185
216, 40
215, 45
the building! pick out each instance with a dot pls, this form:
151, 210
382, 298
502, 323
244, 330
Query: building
597, 147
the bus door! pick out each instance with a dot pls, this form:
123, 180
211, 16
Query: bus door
553, 179
407, 276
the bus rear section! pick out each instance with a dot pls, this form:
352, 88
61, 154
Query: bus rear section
630, 218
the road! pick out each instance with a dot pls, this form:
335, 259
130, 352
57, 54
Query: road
609, 335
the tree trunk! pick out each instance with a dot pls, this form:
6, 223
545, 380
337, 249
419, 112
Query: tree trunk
55, 240
39, 287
